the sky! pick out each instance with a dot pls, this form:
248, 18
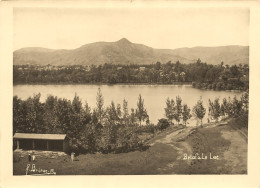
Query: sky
162, 28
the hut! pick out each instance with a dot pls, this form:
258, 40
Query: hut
48, 142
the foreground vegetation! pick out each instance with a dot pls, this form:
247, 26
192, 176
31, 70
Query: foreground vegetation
112, 129
201, 75
110, 143
160, 158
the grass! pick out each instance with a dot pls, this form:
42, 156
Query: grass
241, 124
138, 162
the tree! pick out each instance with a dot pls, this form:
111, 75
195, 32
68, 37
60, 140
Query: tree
186, 113
170, 109
210, 109
19, 114
125, 112
221, 64
229, 108
158, 65
236, 107
33, 114
51, 123
62, 111
77, 104
77, 123
224, 107
96, 128
199, 111
119, 112
215, 109
87, 113
87, 109
245, 101
112, 114
132, 117
234, 70
88, 139
100, 106
141, 112
178, 111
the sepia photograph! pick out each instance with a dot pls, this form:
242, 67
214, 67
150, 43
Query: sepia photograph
130, 91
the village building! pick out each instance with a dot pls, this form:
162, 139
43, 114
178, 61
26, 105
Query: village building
48, 142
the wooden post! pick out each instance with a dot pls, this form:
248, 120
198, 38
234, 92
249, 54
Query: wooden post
33, 145
17, 143
47, 144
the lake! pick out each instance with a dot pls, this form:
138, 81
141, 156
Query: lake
154, 95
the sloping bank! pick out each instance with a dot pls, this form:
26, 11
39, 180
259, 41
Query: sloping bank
213, 149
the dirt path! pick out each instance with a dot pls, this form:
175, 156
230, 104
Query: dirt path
174, 139
174, 136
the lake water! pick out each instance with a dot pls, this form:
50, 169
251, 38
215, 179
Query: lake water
154, 95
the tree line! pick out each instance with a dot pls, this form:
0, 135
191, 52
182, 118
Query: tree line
202, 75
101, 129
229, 108
114, 128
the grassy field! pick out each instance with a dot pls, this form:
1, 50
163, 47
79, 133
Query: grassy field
164, 156
138, 162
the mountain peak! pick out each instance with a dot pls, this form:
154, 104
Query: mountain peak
124, 40
125, 52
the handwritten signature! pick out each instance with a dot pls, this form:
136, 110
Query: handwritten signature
34, 171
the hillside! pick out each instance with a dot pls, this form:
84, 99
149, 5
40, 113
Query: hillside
126, 52
214, 55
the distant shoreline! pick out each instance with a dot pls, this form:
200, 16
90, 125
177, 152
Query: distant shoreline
177, 83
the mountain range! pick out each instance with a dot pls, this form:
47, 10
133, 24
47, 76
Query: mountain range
126, 52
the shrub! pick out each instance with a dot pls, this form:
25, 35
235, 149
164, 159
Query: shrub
146, 129
210, 86
162, 124
219, 86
